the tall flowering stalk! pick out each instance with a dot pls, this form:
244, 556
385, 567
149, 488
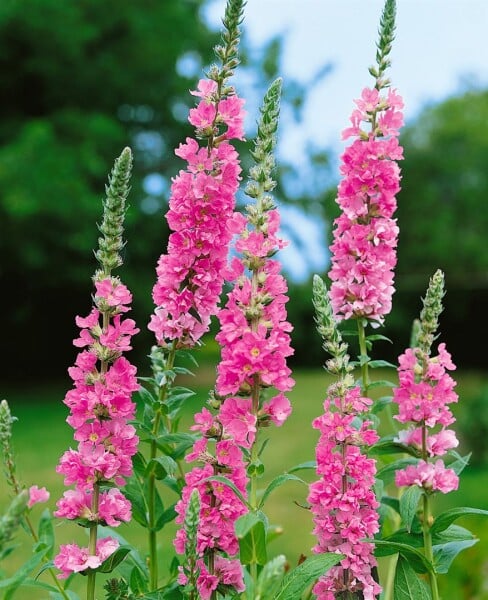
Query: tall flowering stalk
365, 234
190, 275
202, 200
255, 342
423, 396
342, 501
100, 402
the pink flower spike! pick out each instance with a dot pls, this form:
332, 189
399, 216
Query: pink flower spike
37, 495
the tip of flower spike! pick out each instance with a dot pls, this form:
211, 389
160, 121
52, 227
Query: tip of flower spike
386, 36
114, 207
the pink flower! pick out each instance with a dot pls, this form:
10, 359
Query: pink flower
278, 408
365, 235
37, 495
73, 559
342, 501
430, 476
190, 275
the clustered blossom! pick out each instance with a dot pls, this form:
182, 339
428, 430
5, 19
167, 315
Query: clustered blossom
365, 234
202, 200
254, 333
73, 559
255, 342
100, 407
342, 501
37, 495
423, 396
219, 506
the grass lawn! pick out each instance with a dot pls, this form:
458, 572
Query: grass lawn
41, 436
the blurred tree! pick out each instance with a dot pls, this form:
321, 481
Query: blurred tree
80, 80
443, 219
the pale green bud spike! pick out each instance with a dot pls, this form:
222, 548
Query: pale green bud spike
327, 328
260, 175
192, 518
429, 316
386, 36
114, 208
228, 52
6, 422
12, 518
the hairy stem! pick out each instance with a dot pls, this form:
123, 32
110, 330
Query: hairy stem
363, 353
92, 545
153, 549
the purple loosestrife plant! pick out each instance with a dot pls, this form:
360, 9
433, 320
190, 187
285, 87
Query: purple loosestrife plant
100, 402
343, 501
255, 342
190, 274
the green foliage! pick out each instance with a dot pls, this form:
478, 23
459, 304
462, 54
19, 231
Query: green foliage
82, 80
299, 578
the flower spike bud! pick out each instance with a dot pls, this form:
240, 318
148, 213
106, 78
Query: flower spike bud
12, 518
328, 330
6, 421
429, 316
114, 207
387, 35
227, 53
260, 175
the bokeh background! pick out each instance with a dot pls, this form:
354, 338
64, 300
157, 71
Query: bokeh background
82, 79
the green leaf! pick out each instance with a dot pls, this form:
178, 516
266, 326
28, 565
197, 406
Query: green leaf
161, 467
310, 464
409, 502
377, 337
113, 560
39, 584
298, 579
251, 532
12, 583
460, 463
418, 561
381, 383
393, 503
138, 583
381, 403
147, 397
376, 364
402, 536
387, 473
134, 492
228, 483
270, 578
444, 554
57, 596
134, 556
407, 585
446, 518
277, 482
454, 533
391, 447
165, 517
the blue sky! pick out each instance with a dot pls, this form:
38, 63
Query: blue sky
439, 49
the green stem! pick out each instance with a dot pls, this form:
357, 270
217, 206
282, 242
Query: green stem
363, 352
429, 554
427, 524
388, 588
92, 545
153, 549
